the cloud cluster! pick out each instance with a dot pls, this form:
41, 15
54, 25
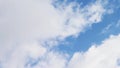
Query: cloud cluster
106, 54
31, 20
24, 24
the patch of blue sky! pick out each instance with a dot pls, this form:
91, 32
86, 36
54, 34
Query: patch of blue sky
82, 3
93, 34
31, 62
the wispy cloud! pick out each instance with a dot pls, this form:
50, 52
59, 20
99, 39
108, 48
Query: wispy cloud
118, 23
107, 28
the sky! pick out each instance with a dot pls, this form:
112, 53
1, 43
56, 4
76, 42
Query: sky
59, 33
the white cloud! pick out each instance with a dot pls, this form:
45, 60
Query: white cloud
52, 60
23, 23
106, 29
29, 57
118, 23
105, 55
31, 20
17, 57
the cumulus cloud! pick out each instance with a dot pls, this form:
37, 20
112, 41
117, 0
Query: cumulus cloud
24, 24
105, 55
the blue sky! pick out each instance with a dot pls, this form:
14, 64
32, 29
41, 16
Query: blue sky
93, 35
59, 33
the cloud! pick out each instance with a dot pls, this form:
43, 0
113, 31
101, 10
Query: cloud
25, 25
106, 29
17, 57
33, 56
52, 60
118, 23
105, 55
111, 27
31, 20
